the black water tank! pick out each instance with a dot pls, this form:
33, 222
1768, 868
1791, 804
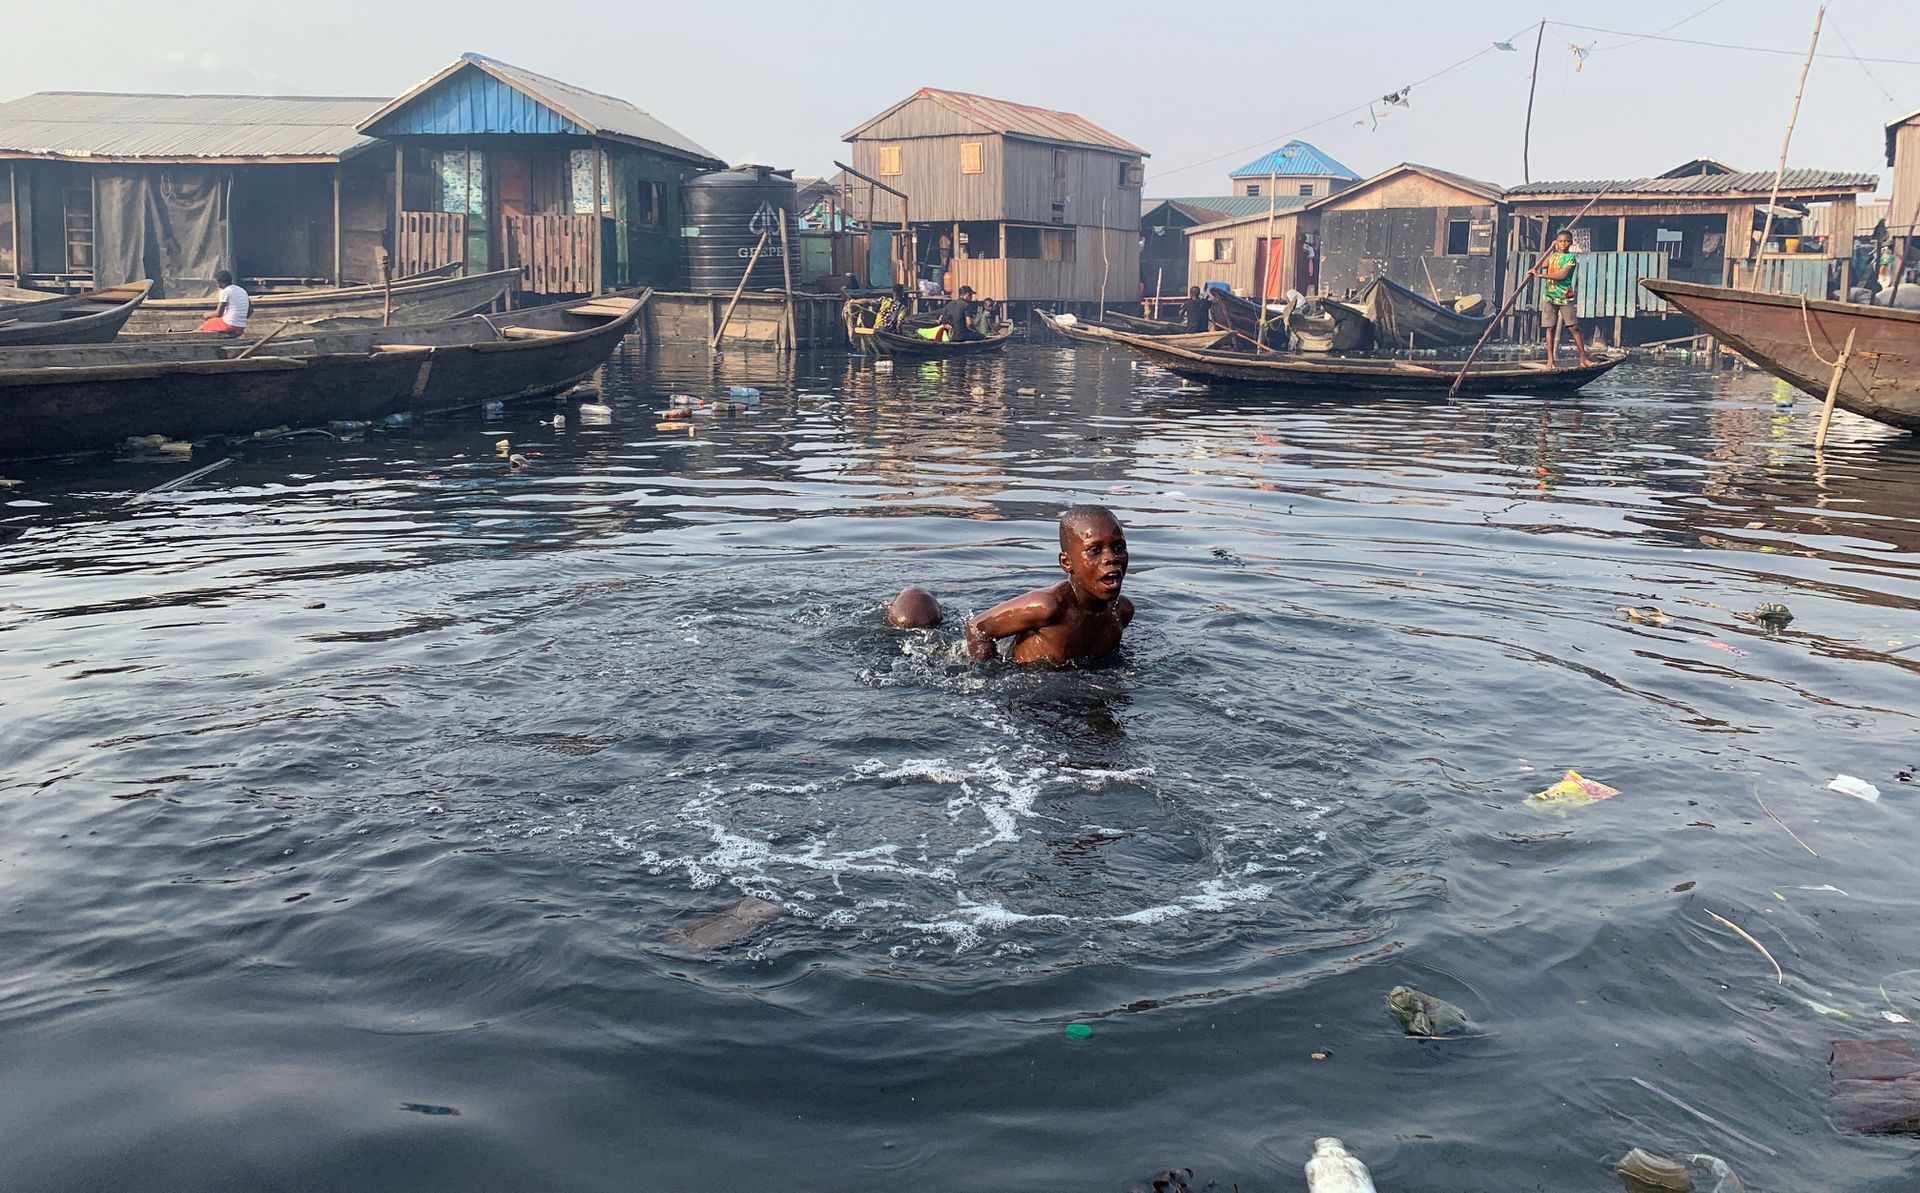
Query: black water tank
726, 213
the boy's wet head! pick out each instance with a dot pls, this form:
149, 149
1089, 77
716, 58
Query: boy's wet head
1093, 551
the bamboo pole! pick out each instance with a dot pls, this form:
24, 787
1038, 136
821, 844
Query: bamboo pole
1833, 391
339, 251
1526, 142
1266, 251
20, 267
786, 270
1517, 291
1779, 173
1159, 277
1103, 259
720, 333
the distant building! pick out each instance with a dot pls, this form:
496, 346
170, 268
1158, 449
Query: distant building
1296, 169
1022, 203
507, 169
1256, 252
100, 189
1163, 241
1432, 231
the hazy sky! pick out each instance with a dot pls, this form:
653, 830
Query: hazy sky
1190, 83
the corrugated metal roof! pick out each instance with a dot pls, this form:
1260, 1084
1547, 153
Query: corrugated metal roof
1016, 120
166, 127
1215, 207
597, 114
1295, 158
1283, 205
1747, 182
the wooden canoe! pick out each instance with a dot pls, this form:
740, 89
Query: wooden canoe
1302, 373
1326, 327
888, 343
419, 299
91, 317
1404, 319
1146, 327
1799, 339
60, 401
1094, 333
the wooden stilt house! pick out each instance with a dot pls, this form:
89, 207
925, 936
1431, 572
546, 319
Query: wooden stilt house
507, 169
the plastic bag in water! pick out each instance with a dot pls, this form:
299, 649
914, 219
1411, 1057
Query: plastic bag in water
1574, 790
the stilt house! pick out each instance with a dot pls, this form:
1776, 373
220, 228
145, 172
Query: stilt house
1022, 203
506, 169
100, 189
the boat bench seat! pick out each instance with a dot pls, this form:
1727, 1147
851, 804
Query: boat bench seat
610, 307
530, 333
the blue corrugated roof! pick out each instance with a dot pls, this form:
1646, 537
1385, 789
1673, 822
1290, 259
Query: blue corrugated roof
1295, 157
473, 102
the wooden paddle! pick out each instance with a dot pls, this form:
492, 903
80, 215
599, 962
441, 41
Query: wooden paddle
263, 340
1518, 290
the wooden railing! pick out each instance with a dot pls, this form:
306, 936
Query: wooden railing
430, 239
553, 252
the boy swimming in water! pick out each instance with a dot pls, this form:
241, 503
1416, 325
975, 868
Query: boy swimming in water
1080, 617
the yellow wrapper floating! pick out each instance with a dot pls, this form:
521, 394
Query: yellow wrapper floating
1574, 790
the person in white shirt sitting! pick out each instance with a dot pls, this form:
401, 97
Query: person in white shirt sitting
230, 317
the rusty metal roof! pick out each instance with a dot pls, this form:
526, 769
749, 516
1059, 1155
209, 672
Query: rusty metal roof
89, 124
1018, 120
1746, 183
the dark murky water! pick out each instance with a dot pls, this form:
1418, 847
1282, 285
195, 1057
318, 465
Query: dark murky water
279, 883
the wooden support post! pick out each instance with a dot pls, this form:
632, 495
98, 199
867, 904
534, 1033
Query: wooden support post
399, 206
1261, 265
786, 269
13, 205
720, 332
1833, 391
339, 252
599, 233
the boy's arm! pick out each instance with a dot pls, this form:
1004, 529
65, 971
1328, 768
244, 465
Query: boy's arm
1008, 618
1124, 608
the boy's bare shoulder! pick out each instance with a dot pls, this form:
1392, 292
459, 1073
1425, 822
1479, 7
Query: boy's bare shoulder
1123, 607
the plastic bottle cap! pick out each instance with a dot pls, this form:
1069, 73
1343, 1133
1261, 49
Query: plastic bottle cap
1079, 1031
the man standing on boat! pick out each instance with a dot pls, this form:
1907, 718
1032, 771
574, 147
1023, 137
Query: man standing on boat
230, 317
1560, 298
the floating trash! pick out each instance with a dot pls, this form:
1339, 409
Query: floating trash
492, 408
425, 1108
1424, 1015
1079, 1031
1643, 1172
1334, 1169
516, 460
1876, 1087
593, 414
742, 391
1643, 614
1574, 790
1723, 1178
1859, 788
743, 918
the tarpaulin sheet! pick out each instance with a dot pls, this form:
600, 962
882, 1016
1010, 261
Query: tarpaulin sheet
165, 223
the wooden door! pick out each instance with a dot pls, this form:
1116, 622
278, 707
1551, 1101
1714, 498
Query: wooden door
1270, 266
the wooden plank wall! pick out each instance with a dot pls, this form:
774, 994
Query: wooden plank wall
1093, 177
1903, 214
552, 251
1786, 275
1609, 284
429, 239
930, 175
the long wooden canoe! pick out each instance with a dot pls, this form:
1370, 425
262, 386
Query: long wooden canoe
420, 299
1799, 339
1095, 333
59, 401
91, 317
1302, 373
1404, 319
888, 343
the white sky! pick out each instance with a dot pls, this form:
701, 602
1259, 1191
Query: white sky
1189, 82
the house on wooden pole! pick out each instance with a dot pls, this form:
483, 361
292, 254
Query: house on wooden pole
1432, 231
1266, 249
503, 168
1163, 241
98, 189
1699, 222
1022, 203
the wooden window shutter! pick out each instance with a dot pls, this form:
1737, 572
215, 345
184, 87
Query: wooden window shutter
889, 159
1202, 248
972, 158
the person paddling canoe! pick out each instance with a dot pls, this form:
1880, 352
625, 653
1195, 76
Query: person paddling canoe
1560, 298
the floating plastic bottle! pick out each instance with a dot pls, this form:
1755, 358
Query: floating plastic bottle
1724, 1179
493, 408
742, 391
1332, 1170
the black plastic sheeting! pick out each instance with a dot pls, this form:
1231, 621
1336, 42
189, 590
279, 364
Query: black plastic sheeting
168, 224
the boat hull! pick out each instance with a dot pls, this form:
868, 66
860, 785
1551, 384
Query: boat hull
1798, 340
65, 401
423, 300
94, 317
1404, 319
1304, 375
1333, 328
888, 343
